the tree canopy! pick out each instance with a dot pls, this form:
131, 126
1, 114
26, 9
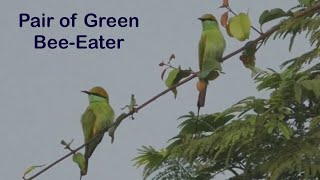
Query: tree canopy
257, 138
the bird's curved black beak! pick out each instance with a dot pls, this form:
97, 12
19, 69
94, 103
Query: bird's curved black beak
200, 19
87, 92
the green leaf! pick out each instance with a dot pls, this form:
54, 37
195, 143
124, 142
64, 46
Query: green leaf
115, 125
297, 92
270, 129
285, 130
315, 122
259, 106
31, 168
306, 2
133, 103
252, 120
292, 41
269, 15
312, 85
79, 159
240, 26
150, 158
221, 120
171, 79
174, 77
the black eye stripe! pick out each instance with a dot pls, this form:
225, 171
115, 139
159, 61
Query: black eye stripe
96, 94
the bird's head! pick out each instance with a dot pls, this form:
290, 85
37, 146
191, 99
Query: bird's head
207, 17
96, 93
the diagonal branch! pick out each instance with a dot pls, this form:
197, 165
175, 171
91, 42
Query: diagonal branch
313, 9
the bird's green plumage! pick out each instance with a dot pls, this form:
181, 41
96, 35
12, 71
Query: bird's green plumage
210, 49
98, 116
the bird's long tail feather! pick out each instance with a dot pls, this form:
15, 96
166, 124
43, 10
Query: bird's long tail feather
202, 97
197, 121
200, 103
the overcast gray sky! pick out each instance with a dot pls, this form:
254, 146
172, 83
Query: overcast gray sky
41, 102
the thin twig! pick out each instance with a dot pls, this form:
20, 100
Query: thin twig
314, 8
57, 161
106, 129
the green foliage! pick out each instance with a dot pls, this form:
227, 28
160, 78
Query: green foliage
273, 138
150, 158
294, 26
240, 26
269, 15
248, 59
174, 77
31, 168
307, 2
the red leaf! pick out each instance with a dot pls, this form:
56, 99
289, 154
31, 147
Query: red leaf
161, 64
172, 57
242, 58
224, 19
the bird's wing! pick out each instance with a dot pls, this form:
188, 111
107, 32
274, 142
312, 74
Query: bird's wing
201, 48
219, 45
213, 51
87, 120
110, 116
104, 117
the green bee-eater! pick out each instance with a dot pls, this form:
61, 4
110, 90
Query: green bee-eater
98, 116
211, 47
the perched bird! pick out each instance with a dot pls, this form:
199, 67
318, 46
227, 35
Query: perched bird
98, 116
211, 47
